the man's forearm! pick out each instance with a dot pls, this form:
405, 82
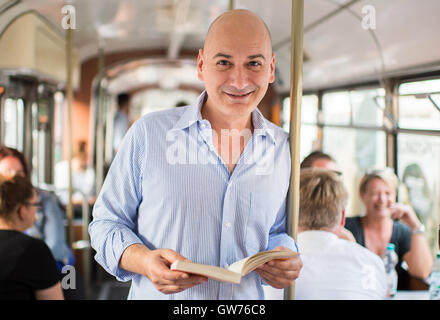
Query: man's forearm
133, 258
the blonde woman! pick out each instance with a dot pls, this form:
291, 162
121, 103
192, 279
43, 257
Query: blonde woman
386, 221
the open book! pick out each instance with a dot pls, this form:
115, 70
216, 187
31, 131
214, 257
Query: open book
236, 270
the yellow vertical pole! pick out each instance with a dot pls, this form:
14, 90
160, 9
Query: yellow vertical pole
231, 5
296, 62
100, 145
69, 89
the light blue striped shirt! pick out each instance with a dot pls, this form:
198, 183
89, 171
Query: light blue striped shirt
168, 188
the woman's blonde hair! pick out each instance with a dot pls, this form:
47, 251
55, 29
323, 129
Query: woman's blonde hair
387, 175
322, 199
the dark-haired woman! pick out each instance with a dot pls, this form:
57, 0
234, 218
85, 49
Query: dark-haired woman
27, 268
49, 226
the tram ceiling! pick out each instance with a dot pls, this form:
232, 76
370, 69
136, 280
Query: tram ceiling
340, 47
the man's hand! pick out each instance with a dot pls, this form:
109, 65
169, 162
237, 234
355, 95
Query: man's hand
280, 273
155, 264
157, 269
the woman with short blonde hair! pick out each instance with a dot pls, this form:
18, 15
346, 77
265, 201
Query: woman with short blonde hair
386, 221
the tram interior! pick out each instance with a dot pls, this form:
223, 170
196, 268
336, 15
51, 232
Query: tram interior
371, 89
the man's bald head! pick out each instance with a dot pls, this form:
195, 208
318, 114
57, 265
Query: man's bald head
236, 64
234, 21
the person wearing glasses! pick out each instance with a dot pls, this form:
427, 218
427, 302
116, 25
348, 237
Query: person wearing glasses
386, 221
27, 268
49, 225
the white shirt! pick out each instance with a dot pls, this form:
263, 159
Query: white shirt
335, 269
83, 183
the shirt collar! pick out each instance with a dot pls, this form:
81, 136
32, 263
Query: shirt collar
260, 125
314, 235
193, 114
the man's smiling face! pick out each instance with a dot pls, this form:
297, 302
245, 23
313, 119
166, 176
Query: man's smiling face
237, 63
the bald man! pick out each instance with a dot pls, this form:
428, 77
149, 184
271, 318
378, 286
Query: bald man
206, 182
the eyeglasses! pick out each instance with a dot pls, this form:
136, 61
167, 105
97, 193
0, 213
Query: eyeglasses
38, 205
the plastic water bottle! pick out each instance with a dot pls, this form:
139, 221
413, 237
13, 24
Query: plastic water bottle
390, 260
434, 287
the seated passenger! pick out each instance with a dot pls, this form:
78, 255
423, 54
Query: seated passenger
49, 225
27, 268
380, 225
83, 180
333, 268
319, 159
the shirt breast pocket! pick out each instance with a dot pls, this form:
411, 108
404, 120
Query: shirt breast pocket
258, 222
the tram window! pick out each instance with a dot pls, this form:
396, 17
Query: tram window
419, 104
58, 126
309, 111
35, 149
13, 124
355, 151
419, 113
419, 173
309, 140
157, 99
336, 108
367, 107
309, 129
425, 86
40, 120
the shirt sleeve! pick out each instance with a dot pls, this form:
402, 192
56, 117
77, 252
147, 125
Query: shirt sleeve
115, 210
277, 235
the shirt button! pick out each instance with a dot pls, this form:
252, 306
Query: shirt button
228, 224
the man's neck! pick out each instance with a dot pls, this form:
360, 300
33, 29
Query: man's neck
232, 134
219, 121
333, 230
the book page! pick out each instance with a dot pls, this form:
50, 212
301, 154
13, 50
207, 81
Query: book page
248, 264
238, 265
212, 272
